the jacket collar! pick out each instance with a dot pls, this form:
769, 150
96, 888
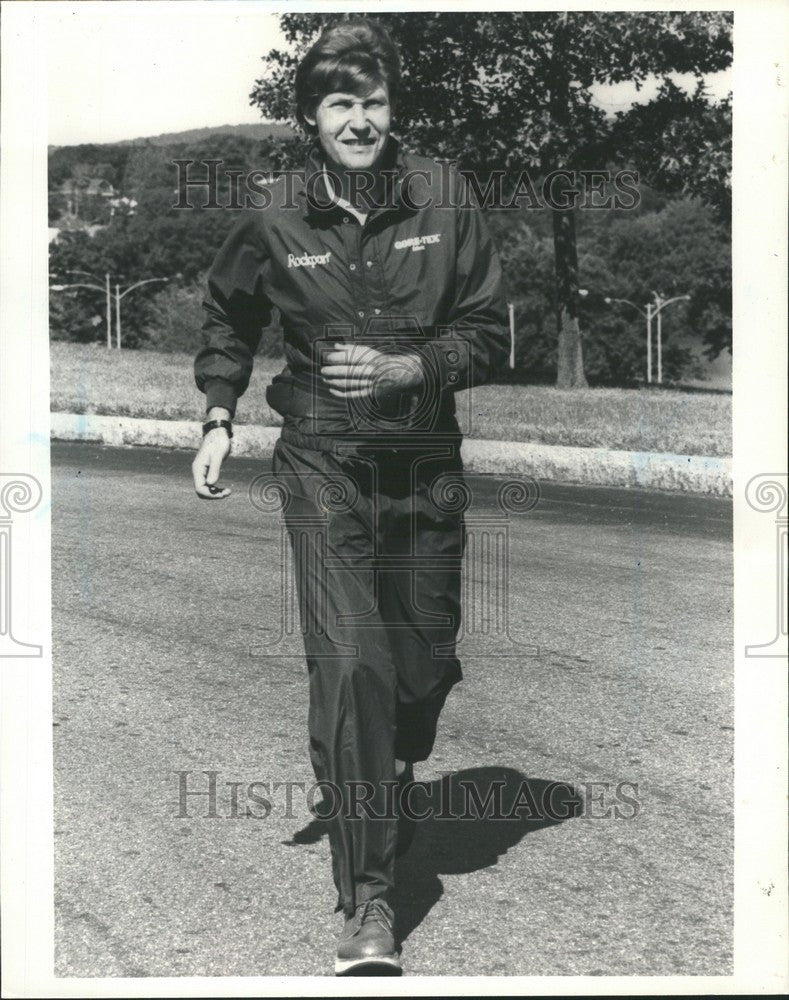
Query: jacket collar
318, 199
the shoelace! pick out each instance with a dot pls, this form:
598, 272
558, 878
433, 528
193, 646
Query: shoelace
374, 910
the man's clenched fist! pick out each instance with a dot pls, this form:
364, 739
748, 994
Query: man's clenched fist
207, 465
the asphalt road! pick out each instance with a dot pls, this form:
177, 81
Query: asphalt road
159, 600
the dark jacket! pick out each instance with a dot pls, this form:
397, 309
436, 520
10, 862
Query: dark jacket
421, 275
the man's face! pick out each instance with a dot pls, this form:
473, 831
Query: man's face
353, 129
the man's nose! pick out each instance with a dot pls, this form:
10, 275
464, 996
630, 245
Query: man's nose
359, 122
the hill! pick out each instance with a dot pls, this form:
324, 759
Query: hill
262, 130
257, 130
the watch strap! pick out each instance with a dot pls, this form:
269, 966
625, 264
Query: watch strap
209, 425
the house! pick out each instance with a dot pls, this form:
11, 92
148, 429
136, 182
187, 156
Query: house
100, 186
85, 194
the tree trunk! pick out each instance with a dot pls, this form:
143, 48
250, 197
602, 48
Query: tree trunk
569, 358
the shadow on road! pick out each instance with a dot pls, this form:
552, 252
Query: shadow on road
472, 818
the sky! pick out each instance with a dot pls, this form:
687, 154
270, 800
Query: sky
128, 69
119, 71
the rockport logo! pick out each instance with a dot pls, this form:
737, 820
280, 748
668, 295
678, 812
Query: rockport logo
418, 242
308, 260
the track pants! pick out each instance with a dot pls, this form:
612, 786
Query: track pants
377, 545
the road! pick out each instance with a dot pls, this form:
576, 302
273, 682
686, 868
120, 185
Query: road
159, 600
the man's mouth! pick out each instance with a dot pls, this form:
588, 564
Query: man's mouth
358, 142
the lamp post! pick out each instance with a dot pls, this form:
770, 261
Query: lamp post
511, 314
651, 311
660, 304
105, 288
119, 295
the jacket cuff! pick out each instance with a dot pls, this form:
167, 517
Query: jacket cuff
219, 392
449, 364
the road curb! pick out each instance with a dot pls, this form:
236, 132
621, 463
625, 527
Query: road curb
590, 466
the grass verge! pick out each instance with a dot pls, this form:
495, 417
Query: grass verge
91, 379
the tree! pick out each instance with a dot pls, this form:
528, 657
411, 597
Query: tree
685, 249
151, 239
678, 247
683, 144
514, 90
527, 262
177, 317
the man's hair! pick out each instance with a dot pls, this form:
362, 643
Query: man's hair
354, 57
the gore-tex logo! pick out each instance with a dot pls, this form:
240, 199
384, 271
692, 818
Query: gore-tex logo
308, 260
418, 242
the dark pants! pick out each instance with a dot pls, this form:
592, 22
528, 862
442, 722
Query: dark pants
377, 556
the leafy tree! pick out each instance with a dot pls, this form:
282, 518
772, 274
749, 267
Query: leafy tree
514, 90
77, 316
106, 160
685, 249
682, 248
153, 239
682, 144
177, 318
527, 261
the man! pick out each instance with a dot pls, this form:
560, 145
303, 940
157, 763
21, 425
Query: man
390, 297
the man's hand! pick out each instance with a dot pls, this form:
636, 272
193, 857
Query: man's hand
355, 370
208, 464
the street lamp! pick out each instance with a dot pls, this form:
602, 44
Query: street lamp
108, 298
652, 310
511, 315
119, 295
660, 304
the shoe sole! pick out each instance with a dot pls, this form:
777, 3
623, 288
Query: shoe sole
348, 966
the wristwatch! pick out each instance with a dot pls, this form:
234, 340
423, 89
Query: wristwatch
211, 424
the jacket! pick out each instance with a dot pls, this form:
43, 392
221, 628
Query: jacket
422, 274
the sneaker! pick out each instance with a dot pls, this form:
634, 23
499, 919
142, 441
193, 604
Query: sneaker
367, 941
406, 826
